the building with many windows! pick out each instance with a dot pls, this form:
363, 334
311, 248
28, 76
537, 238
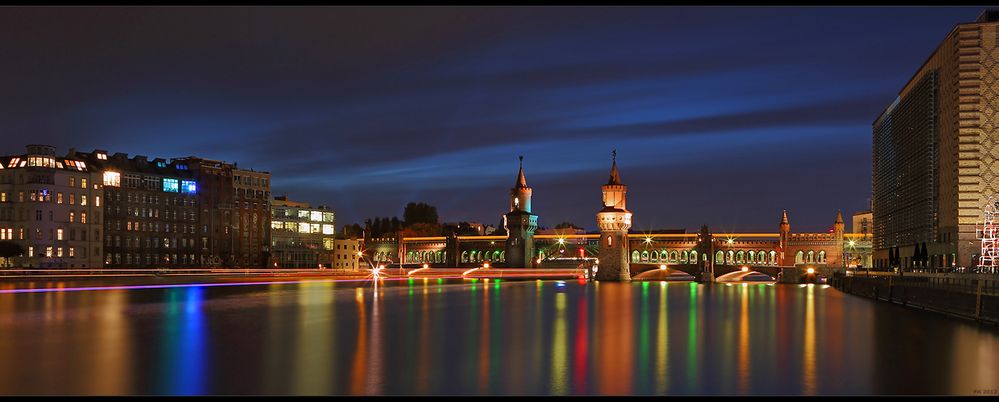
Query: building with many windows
51, 206
936, 153
302, 236
347, 254
150, 210
233, 213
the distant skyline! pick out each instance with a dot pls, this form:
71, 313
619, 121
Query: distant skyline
722, 116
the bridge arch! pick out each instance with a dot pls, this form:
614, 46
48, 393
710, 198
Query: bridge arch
730, 257
822, 257
673, 257
810, 257
693, 257
635, 256
654, 256
645, 256
773, 257
799, 257
503, 255
740, 257
464, 256
720, 257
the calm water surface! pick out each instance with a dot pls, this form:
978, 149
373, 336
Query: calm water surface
534, 338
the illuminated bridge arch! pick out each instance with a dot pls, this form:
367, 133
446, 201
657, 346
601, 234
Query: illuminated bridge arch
693, 257
654, 257
720, 257
635, 256
799, 257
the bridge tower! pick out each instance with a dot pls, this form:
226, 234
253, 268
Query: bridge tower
785, 236
520, 224
614, 221
835, 256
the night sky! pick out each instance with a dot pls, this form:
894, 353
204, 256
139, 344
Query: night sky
720, 115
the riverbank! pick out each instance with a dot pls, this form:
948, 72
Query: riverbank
973, 297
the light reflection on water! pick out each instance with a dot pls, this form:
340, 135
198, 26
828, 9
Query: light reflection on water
486, 337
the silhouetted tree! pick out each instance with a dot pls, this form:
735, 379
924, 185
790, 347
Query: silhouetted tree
419, 213
567, 225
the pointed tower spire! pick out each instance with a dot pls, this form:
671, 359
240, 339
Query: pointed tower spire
521, 180
783, 219
839, 217
615, 178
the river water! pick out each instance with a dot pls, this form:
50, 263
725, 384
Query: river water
485, 338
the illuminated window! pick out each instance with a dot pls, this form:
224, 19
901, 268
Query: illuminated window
97, 200
83, 217
314, 228
72, 252
102, 156
58, 198
303, 214
328, 229
189, 187
112, 179
83, 199
171, 185
72, 216
48, 251
72, 182
303, 227
58, 234
317, 216
72, 199
59, 252
3, 197
83, 183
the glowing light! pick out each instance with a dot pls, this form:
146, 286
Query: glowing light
648, 240
470, 271
744, 269
425, 266
561, 241
811, 271
112, 179
662, 267
486, 265
730, 241
853, 243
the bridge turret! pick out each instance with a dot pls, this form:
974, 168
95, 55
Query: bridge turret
520, 224
785, 236
614, 220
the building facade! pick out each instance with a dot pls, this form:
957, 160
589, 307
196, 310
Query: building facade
149, 209
520, 224
346, 254
302, 236
51, 206
936, 154
614, 220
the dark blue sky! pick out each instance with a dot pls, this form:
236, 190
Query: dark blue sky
720, 115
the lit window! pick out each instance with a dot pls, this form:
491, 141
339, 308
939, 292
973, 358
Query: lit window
72, 199
58, 198
303, 227
317, 216
328, 229
189, 187
48, 251
58, 234
83, 183
97, 200
72, 216
83, 199
59, 252
83, 217
112, 179
72, 252
171, 185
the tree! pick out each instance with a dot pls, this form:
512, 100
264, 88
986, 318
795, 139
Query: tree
419, 213
421, 230
567, 225
9, 249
